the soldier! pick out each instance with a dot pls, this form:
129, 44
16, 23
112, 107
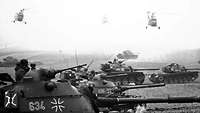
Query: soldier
21, 69
92, 74
33, 73
33, 66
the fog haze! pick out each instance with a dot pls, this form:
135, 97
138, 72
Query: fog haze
77, 25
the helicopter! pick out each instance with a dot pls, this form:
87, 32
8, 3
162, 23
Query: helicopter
20, 16
105, 20
152, 20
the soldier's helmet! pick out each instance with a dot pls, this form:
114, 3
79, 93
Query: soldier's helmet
33, 66
24, 62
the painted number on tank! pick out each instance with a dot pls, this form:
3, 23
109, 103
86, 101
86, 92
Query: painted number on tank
36, 106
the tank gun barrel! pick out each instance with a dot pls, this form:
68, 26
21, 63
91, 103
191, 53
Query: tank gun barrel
124, 88
154, 69
90, 63
111, 101
113, 76
146, 69
144, 86
192, 68
50, 74
59, 71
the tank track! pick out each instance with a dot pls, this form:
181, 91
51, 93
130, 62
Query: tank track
174, 78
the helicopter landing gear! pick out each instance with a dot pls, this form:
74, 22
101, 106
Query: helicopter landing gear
157, 27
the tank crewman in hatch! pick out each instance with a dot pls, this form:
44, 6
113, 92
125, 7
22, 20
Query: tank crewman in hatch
21, 69
33, 73
33, 67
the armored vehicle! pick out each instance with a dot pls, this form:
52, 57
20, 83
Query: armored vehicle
105, 88
118, 72
8, 62
47, 96
42, 96
174, 73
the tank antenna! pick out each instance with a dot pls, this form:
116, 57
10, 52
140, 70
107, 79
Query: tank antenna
76, 57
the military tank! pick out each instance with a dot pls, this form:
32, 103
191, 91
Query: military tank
174, 73
109, 97
119, 73
61, 96
8, 62
42, 96
107, 88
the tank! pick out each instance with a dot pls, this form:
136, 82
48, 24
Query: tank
173, 74
106, 97
47, 96
117, 104
105, 88
43, 96
119, 73
8, 62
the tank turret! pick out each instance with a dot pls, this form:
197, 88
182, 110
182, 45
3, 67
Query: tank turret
43, 96
8, 62
105, 88
46, 74
124, 88
124, 103
174, 73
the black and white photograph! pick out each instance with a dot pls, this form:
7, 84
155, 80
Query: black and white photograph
99, 56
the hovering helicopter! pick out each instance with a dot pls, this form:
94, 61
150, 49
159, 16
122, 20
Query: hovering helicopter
20, 16
152, 20
104, 20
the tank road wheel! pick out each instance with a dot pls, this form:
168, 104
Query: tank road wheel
189, 79
184, 80
124, 82
161, 79
176, 80
166, 81
139, 80
179, 80
170, 81
193, 78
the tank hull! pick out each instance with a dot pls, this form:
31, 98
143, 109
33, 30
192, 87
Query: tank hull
174, 78
125, 78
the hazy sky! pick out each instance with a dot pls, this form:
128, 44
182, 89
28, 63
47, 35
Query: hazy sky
77, 25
